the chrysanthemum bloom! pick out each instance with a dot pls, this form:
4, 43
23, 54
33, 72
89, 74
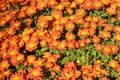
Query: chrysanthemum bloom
113, 64
57, 14
47, 55
56, 68
30, 60
83, 32
13, 52
53, 44
97, 4
88, 41
60, 6
4, 65
16, 76
69, 72
79, 1
96, 39
48, 65
7, 73
117, 38
117, 29
42, 22
70, 36
35, 73
114, 49
98, 47
85, 25
55, 34
17, 59
40, 5
106, 50
31, 45
111, 11
88, 4
108, 27
21, 14
71, 44
38, 62
93, 25
70, 26
81, 12
16, 25
105, 35
31, 10
62, 45
43, 43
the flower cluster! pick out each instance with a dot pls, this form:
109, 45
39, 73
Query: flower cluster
59, 39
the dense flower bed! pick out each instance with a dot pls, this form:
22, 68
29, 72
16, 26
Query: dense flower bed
59, 39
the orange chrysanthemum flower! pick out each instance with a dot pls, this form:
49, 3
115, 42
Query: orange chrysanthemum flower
105, 34
71, 44
117, 38
56, 68
83, 32
82, 43
35, 73
81, 12
16, 76
106, 50
31, 45
30, 60
88, 4
117, 29
4, 65
57, 14
70, 26
96, 39
62, 45
31, 10
113, 64
38, 62
70, 36
97, 4
114, 49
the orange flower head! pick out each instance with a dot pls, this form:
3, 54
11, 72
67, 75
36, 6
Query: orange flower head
30, 59
106, 50
117, 37
70, 36
57, 68
4, 64
88, 4
83, 32
98, 46
31, 10
71, 44
117, 29
96, 39
57, 14
105, 34
81, 12
113, 64
70, 26
114, 49
82, 43
79, 1
31, 45
38, 62
47, 55
35, 73
16, 76
62, 45
97, 4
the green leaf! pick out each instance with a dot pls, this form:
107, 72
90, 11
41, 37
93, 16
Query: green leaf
64, 60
